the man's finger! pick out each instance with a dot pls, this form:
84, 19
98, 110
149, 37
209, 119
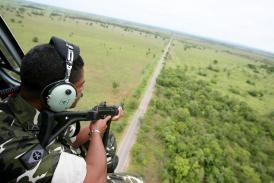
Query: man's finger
108, 118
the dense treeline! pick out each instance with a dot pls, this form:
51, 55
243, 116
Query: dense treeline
206, 137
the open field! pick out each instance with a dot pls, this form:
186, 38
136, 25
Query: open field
117, 59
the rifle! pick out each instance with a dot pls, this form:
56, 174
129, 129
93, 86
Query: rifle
49, 131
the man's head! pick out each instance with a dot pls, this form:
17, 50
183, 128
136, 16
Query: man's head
45, 67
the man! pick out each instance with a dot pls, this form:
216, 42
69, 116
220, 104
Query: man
52, 78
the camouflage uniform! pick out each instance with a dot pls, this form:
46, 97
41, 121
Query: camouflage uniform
17, 136
19, 126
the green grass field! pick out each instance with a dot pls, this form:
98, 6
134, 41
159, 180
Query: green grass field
117, 60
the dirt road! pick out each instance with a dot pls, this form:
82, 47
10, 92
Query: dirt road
130, 135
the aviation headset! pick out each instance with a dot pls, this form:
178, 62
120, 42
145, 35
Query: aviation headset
60, 95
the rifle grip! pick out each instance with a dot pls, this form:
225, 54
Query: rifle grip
105, 136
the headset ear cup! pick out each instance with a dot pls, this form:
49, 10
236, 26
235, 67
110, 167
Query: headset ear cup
60, 97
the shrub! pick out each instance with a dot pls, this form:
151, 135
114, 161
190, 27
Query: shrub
255, 93
35, 39
250, 82
115, 85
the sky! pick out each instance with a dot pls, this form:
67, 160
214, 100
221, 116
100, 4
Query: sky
244, 22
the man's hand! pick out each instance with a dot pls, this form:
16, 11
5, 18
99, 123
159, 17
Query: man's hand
99, 126
119, 115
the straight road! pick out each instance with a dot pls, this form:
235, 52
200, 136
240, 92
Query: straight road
131, 132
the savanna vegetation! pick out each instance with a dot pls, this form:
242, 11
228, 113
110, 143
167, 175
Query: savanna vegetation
211, 118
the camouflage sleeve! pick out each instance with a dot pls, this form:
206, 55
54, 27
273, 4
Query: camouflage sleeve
43, 168
40, 168
46, 167
71, 132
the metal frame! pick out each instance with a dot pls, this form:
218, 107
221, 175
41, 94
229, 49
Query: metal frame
11, 55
